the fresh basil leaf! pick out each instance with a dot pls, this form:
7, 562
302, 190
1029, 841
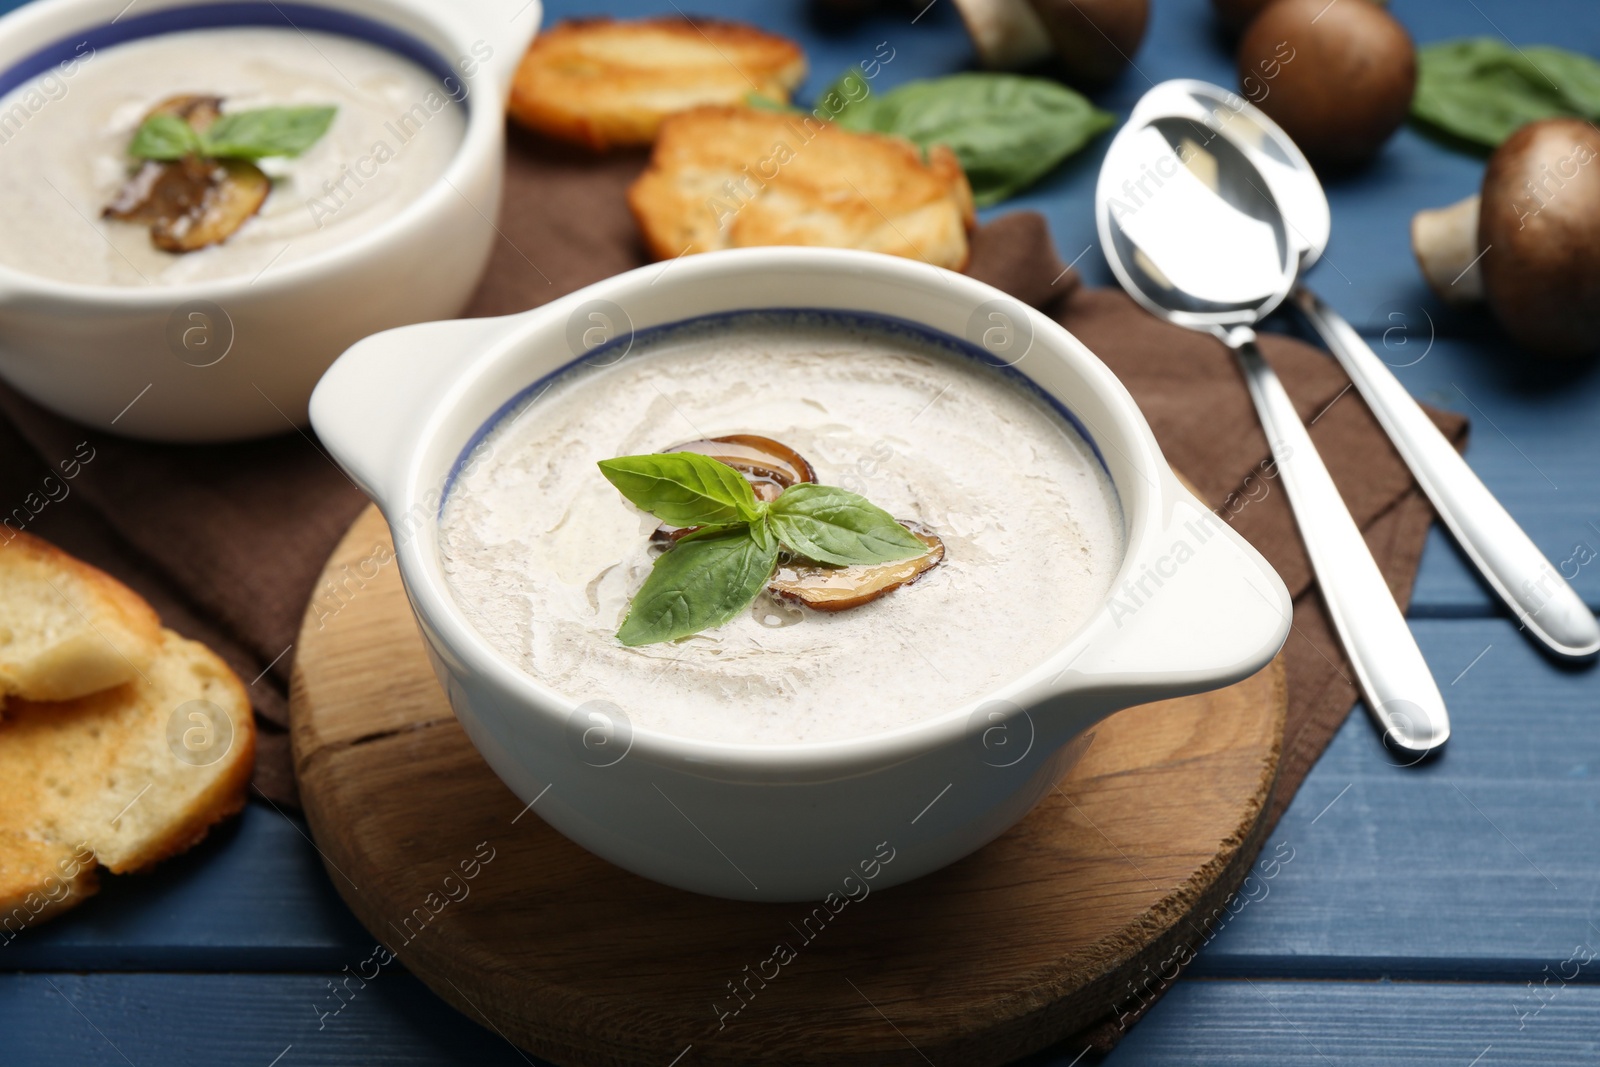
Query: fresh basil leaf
699, 583
832, 525
684, 489
1007, 130
164, 137
763, 102
849, 90
1483, 90
267, 131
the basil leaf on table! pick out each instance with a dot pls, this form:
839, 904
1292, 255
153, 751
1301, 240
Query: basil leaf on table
832, 525
1482, 90
164, 137
700, 583
683, 488
1007, 130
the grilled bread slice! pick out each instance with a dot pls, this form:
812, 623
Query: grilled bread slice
121, 778
66, 628
731, 177
601, 82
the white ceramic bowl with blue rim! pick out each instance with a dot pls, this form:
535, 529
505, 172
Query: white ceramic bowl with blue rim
789, 822
87, 351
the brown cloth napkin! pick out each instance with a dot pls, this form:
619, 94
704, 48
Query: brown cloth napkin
227, 541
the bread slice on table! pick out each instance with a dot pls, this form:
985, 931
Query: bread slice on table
66, 628
120, 778
600, 82
731, 177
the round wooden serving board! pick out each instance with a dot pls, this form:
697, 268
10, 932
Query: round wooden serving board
1062, 921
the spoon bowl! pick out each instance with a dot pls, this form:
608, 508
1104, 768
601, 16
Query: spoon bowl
1287, 172
1189, 228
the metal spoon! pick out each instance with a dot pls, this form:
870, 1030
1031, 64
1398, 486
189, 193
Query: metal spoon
1192, 232
1544, 603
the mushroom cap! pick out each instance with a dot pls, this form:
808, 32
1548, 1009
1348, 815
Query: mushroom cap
1337, 77
1539, 231
1094, 39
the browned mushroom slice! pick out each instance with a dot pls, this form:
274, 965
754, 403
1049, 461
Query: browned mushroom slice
235, 192
150, 191
191, 203
769, 466
826, 588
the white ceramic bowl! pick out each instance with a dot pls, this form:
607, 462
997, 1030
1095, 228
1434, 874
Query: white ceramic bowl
791, 822
89, 351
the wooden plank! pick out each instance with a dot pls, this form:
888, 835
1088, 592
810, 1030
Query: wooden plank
69, 1020
252, 896
1482, 862
286, 1020
1315, 1024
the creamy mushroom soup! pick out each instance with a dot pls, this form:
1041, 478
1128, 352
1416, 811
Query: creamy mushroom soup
64, 139
543, 554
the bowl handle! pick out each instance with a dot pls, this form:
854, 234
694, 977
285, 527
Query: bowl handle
499, 31
1196, 608
371, 404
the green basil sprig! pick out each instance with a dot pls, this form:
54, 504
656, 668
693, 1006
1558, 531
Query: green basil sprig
712, 574
1482, 89
1007, 130
256, 134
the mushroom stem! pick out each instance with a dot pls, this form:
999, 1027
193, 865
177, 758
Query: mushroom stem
1445, 241
1007, 33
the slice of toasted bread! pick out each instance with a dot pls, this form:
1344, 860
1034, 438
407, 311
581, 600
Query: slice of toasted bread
66, 628
601, 82
121, 778
730, 177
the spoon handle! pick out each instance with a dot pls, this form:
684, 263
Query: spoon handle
1389, 668
1509, 561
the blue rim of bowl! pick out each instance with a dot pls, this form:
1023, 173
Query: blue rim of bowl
859, 320
210, 16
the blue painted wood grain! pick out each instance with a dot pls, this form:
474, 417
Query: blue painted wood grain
66, 1020
252, 896
1482, 862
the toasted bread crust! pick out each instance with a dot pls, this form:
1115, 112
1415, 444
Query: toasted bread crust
104, 781
602, 82
729, 177
66, 628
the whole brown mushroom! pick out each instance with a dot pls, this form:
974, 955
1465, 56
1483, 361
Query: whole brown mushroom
1337, 76
1094, 39
1091, 39
1530, 243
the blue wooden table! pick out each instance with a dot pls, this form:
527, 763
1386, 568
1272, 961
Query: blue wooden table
1445, 914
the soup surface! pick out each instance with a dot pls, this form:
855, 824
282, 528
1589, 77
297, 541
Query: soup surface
64, 138
544, 555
